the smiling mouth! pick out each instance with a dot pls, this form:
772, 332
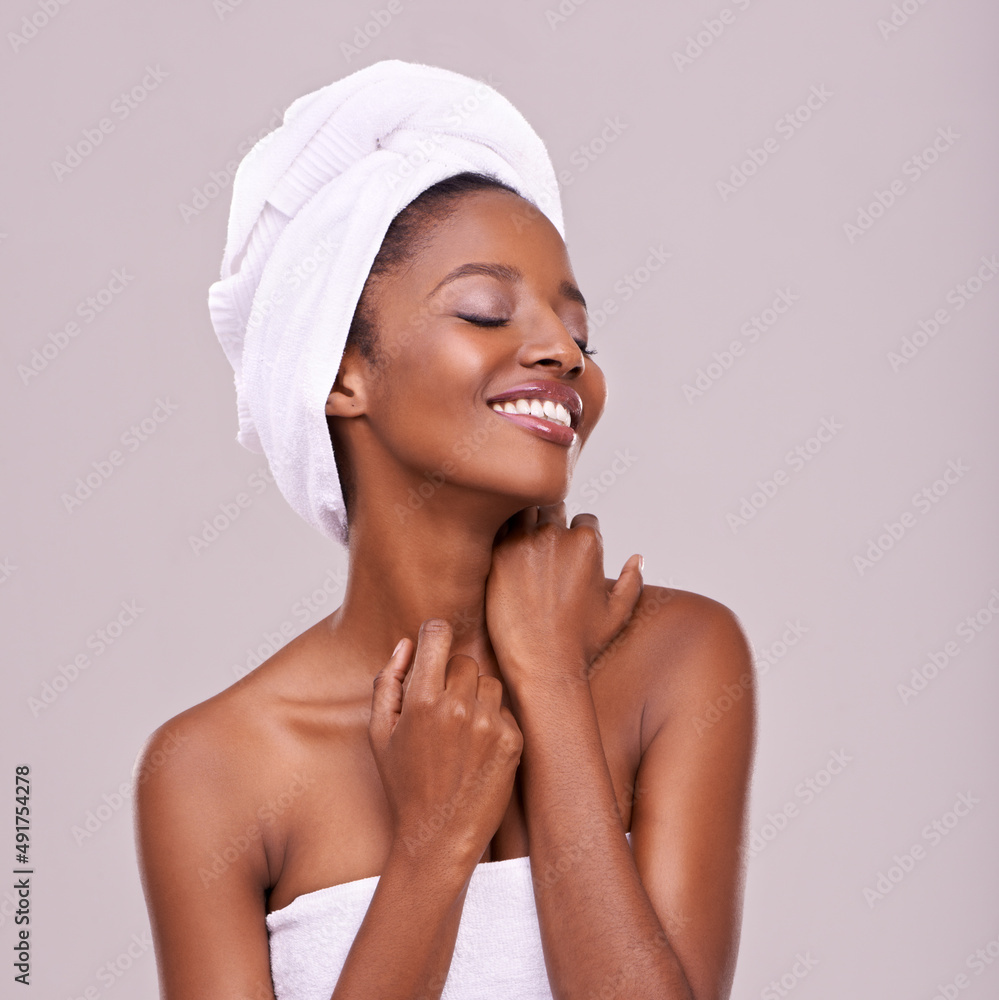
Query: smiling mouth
544, 409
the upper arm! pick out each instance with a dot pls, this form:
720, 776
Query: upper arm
203, 866
691, 802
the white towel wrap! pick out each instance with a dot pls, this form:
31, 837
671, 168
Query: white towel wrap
497, 951
311, 203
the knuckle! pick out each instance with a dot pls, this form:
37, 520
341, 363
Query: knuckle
421, 703
458, 710
482, 723
511, 742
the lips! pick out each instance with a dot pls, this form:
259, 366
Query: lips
543, 390
545, 408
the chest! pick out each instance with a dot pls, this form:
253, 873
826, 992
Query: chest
342, 832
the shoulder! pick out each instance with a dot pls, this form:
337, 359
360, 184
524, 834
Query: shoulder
691, 625
198, 757
671, 627
201, 777
207, 848
235, 738
204, 744
689, 651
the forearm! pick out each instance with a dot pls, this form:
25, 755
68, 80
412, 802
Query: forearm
403, 948
599, 930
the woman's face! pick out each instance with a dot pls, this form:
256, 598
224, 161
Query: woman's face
487, 319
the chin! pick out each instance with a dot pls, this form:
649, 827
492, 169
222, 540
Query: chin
539, 495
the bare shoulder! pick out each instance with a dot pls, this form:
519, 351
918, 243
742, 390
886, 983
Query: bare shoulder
207, 742
216, 766
216, 789
687, 649
204, 761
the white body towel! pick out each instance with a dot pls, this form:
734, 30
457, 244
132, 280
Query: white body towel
497, 953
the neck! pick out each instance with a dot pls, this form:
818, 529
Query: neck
407, 567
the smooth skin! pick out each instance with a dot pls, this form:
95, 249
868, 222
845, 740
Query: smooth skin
481, 668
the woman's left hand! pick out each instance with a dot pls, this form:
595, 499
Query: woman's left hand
549, 610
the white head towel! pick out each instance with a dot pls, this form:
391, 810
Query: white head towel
311, 203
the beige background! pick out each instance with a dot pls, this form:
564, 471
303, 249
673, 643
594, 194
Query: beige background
211, 79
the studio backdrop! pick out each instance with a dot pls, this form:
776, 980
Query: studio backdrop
783, 216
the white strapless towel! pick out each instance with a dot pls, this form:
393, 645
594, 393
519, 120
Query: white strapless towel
497, 952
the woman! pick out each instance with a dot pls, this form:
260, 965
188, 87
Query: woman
484, 704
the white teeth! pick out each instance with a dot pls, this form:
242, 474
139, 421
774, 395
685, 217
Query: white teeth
547, 409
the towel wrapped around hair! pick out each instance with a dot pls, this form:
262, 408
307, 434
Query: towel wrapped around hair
311, 203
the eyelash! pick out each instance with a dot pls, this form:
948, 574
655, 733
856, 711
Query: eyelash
486, 321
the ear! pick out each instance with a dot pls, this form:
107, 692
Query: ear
348, 396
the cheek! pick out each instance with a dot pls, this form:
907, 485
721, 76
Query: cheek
428, 394
438, 367
594, 395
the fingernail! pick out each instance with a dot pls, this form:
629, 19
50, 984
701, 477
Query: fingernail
398, 646
641, 564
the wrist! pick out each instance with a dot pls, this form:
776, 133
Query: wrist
425, 859
549, 690
542, 664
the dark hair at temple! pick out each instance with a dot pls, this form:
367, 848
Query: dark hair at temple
407, 234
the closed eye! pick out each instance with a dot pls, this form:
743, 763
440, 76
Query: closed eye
483, 320
498, 321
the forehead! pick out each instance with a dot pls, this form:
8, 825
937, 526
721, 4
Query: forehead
494, 225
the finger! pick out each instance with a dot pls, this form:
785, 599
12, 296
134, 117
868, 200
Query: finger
627, 588
433, 646
511, 721
489, 691
408, 679
552, 514
386, 698
462, 673
587, 520
524, 519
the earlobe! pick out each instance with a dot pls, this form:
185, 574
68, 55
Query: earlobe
346, 398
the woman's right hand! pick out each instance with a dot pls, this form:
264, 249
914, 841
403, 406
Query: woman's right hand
446, 749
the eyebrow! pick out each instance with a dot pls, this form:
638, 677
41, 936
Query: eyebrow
503, 272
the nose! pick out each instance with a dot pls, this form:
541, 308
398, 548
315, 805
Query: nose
550, 345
